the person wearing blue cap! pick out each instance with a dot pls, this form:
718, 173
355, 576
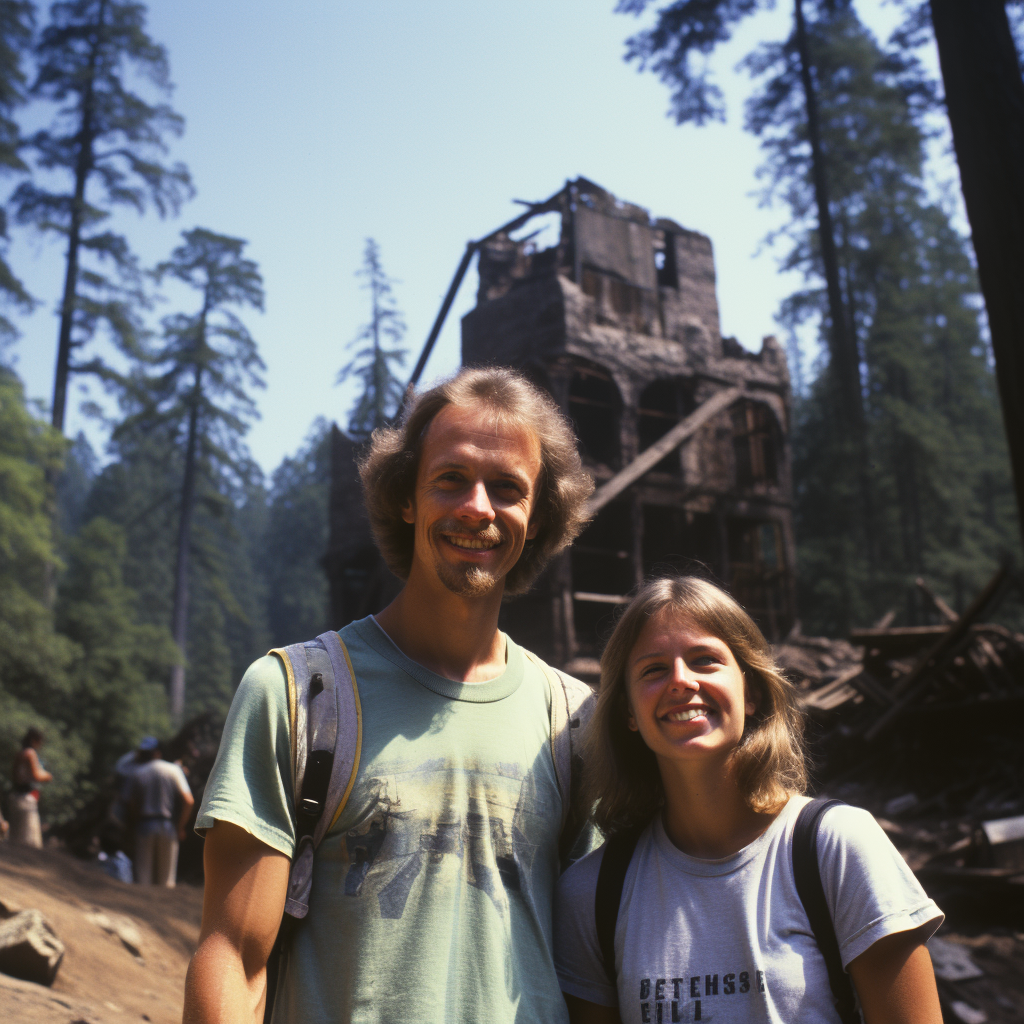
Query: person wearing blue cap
162, 802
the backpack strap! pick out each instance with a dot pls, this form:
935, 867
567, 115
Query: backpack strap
326, 739
618, 852
807, 874
326, 719
572, 704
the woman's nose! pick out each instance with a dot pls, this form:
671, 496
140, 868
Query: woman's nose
682, 676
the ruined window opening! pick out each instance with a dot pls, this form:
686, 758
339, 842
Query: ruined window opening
758, 579
755, 443
663, 404
676, 540
594, 408
601, 566
665, 259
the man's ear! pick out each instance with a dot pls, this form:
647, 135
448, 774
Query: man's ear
532, 529
409, 512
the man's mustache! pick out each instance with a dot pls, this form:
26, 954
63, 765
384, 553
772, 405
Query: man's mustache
490, 534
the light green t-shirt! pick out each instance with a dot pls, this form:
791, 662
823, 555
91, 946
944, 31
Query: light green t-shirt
432, 895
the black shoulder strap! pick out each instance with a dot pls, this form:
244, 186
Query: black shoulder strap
618, 852
812, 896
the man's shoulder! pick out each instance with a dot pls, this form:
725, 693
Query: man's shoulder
577, 692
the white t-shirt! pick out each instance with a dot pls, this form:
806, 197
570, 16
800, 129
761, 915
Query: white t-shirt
728, 940
159, 785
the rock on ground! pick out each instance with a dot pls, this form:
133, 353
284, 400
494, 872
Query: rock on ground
29, 948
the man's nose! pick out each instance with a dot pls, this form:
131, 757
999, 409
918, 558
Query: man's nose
682, 676
477, 504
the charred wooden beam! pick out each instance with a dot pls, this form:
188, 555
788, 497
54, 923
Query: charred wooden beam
650, 457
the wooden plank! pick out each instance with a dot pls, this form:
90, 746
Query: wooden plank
651, 456
941, 607
917, 681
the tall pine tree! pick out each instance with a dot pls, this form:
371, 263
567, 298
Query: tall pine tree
373, 364
109, 142
210, 362
939, 468
16, 22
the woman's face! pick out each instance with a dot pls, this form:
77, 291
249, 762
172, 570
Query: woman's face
687, 695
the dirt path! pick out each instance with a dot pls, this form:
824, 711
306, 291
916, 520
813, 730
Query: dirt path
100, 980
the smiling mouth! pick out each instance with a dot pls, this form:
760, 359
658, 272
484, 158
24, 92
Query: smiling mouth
471, 543
686, 715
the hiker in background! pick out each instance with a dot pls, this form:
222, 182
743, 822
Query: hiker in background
124, 773
692, 910
27, 774
161, 804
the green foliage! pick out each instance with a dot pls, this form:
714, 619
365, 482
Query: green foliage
17, 18
373, 365
109, 142
942, 503
117, 693
208, 359
34, 659
295, 540
676, 48
140, 491
74, 484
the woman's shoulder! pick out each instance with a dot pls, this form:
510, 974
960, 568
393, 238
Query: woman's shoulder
580, 877
850, 826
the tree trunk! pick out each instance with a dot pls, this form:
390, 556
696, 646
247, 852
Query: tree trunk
83, 168
985, 102
179, 614
843, 349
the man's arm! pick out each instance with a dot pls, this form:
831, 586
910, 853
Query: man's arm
187, 801
895, 981
246, 884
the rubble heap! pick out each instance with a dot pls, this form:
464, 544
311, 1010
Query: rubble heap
922, 726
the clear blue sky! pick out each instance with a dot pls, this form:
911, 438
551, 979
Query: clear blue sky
315, 124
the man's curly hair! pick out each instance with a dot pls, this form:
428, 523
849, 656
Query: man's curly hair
390, 465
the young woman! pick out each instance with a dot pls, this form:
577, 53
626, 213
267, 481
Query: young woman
696, 739
27, 774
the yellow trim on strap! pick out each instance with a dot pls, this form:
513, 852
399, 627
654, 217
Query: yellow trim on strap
289, 676
359, 738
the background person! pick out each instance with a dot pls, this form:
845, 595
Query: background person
161, 802
696, 740
27, 774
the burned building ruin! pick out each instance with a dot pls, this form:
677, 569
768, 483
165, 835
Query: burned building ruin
684, 431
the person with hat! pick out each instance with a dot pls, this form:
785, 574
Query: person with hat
161, 802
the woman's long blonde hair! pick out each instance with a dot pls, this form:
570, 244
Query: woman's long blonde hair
622, 777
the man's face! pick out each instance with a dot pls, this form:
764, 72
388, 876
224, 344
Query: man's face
475, 493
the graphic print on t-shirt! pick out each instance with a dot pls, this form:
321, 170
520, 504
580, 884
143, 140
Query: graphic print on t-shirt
477, 834
691, 996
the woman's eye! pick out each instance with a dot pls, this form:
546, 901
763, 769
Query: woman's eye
705, 660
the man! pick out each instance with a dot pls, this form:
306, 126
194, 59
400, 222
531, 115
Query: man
431, 895
161, 802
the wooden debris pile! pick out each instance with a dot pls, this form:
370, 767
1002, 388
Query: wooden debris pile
923, 726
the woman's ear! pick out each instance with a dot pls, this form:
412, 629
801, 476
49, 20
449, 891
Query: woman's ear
751, 696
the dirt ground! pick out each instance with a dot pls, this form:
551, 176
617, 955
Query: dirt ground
100, 981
